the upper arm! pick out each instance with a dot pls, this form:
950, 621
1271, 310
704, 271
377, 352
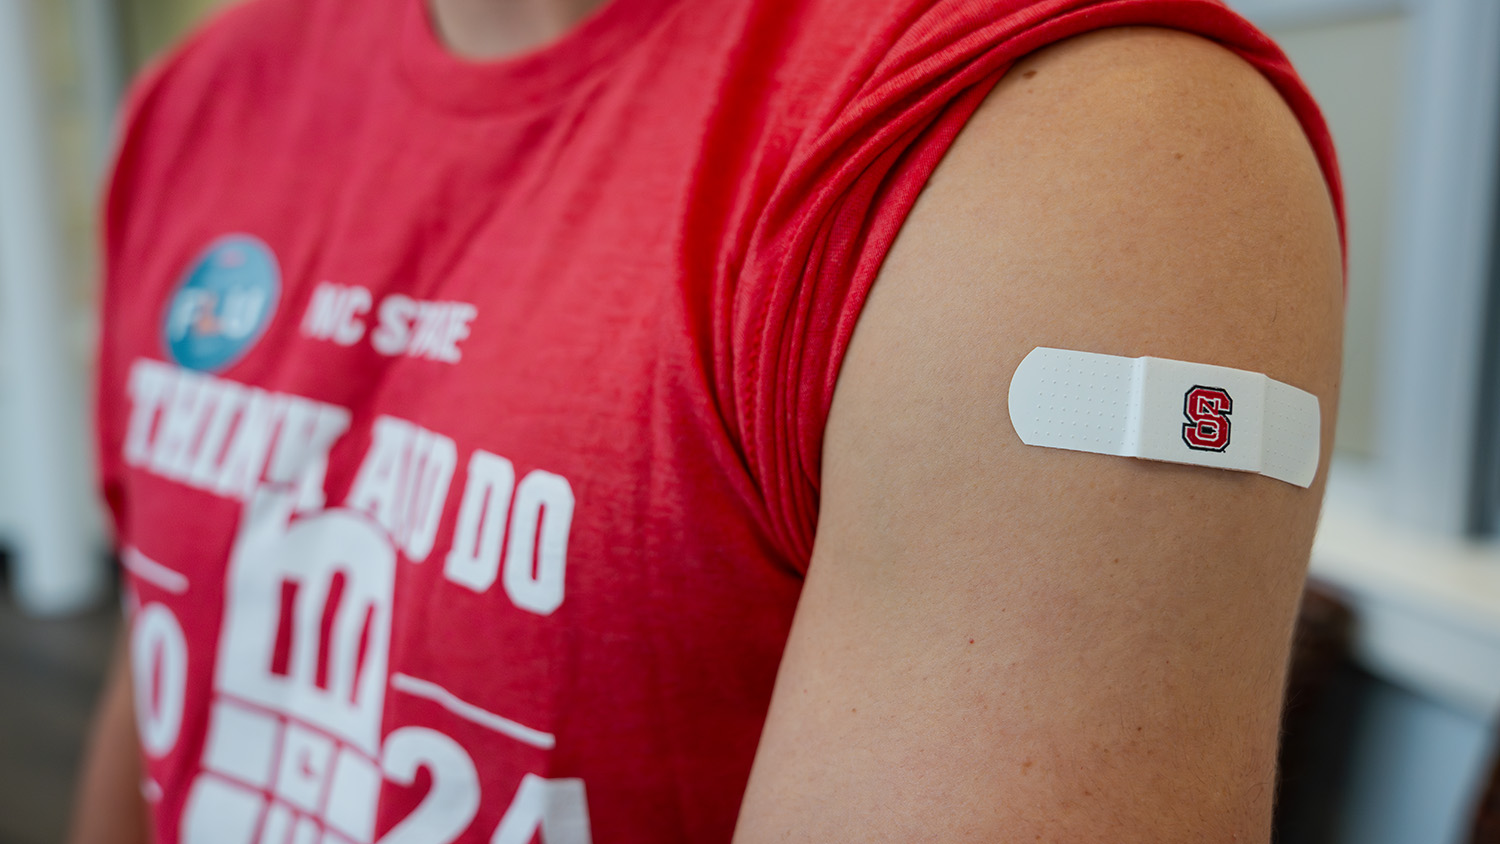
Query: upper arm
999, 642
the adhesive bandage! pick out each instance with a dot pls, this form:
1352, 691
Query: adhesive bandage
1159, 409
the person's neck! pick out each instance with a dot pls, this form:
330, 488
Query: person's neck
496, 29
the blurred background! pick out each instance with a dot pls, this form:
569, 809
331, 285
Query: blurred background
1390, 736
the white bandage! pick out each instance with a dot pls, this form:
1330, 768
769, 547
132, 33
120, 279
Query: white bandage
1160, 409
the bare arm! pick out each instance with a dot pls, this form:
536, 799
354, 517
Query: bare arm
1003, 643
107, 807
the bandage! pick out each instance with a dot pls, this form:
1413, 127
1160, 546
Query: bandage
1158, 409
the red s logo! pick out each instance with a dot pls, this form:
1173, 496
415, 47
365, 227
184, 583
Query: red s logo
1207, 410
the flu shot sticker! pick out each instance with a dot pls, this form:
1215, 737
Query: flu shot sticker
223, 303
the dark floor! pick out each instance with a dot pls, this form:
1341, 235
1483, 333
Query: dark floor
50, 675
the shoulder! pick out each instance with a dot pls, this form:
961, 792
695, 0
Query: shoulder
1138, 147
885, 136
1145, 84
1130, 191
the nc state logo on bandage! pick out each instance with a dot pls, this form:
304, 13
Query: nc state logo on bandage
1207, 410
1170, 410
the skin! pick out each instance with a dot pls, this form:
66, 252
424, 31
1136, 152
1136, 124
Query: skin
1001, 643
497, 29
110, 809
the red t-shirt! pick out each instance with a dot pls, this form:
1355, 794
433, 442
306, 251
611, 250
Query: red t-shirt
461, 422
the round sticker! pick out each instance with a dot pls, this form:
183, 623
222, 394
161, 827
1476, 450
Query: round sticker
223, 304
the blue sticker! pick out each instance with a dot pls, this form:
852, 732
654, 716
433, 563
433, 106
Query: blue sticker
224, 303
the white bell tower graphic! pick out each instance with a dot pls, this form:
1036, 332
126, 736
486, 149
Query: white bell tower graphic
292, 752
